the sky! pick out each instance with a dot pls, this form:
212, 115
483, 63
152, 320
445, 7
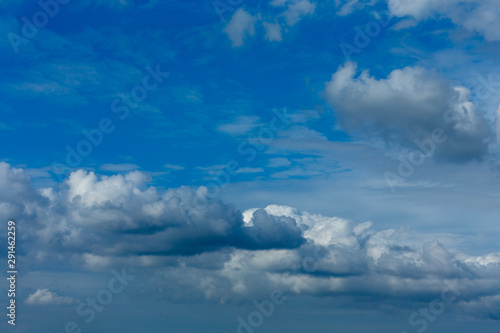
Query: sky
251, 166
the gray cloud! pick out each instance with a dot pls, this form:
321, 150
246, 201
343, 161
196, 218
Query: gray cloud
408, 106
121, 215
221, 255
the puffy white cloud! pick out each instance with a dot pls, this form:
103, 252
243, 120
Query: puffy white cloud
46, 297
342, 257
408, 106
242, 24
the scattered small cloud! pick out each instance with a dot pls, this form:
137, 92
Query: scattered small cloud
174, 167
279, 162
241, 125
249, 170
242, 24
47, 297
273, 31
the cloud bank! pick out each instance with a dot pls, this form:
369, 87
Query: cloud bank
219, 254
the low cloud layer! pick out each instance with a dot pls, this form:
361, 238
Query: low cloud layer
216, 253
121, 215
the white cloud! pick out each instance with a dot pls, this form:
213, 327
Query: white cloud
241, 125
481, 16
273, 31
249, 170
174, 167
279, 162
348, 6
409, 105
297, 10
242, 24
217, 253
47, 297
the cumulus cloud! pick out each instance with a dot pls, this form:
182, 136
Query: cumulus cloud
345, 258
47, 297
407, 107
121, 215
242, 24
211, 251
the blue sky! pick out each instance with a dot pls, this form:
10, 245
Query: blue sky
213, 148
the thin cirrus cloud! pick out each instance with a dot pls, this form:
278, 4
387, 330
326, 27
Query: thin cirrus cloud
119, 167
478, 16
241, 125
249, 170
